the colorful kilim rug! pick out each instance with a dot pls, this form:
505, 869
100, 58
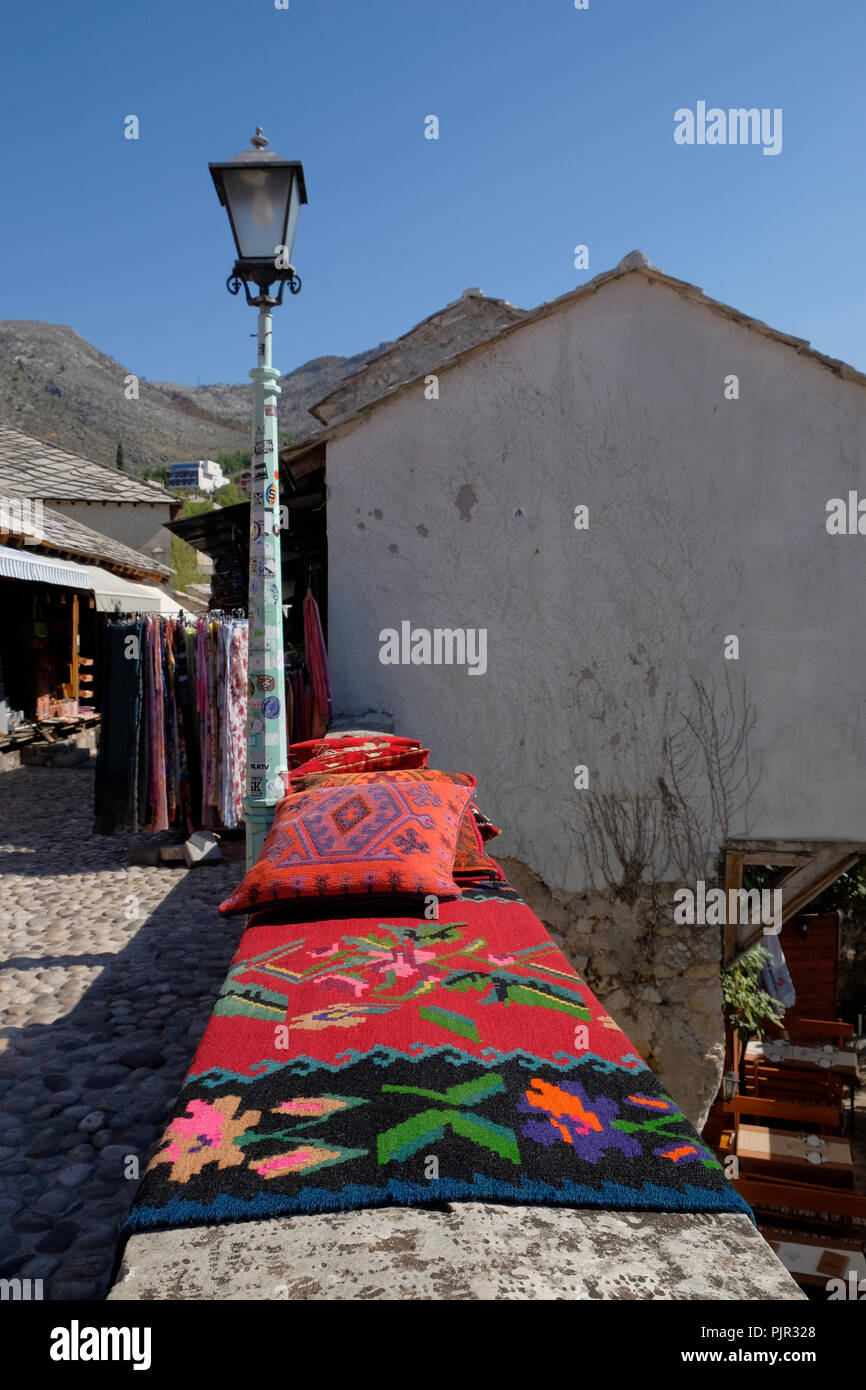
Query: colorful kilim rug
358, 1062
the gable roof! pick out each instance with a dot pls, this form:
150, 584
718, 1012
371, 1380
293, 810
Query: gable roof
31, 468
61, 535
466, 322
635, 263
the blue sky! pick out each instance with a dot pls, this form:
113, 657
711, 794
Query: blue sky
556, 128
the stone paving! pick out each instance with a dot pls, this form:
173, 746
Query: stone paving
108, 974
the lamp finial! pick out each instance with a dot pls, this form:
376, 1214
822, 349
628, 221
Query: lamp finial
259, 140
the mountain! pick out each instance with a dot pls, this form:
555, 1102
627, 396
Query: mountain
56, 386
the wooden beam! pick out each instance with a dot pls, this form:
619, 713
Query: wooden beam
794, 846
733, 880
803, 882
75, 644
806, 895
775, 859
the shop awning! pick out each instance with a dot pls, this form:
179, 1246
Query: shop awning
20, 564
113, 594
116, 595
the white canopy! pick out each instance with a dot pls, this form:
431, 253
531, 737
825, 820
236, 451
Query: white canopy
116, 595
23, 564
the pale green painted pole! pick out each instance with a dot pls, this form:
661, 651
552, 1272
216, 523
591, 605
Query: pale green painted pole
267, 736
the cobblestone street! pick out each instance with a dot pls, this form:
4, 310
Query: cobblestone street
108, 974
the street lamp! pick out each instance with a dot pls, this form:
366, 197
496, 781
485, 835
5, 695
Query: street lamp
262, 194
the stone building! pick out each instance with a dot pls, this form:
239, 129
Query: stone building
103, 499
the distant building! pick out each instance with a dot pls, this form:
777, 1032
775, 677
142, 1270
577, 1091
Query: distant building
203, 474
245, 482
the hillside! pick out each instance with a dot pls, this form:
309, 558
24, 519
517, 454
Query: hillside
56, 386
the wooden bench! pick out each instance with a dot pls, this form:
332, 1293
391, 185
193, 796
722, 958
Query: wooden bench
820, 1209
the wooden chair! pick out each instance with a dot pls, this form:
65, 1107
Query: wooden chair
822, 1209
798, 1085
818, 1119
777, 1114
818, 1030
718, 1122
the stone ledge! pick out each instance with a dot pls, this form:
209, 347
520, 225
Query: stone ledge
467, 1251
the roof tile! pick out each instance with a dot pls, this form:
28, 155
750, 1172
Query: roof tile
31, 468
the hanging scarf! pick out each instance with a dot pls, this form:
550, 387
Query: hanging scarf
317, 665
159, 803
235, 723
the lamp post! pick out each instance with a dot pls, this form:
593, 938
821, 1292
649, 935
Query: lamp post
262, 194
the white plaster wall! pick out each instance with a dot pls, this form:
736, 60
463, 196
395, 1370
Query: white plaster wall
707, 518
135, 524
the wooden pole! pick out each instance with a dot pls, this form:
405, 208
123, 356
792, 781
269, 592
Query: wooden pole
75, 645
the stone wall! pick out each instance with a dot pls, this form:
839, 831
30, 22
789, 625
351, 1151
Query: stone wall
139, 525
659, 981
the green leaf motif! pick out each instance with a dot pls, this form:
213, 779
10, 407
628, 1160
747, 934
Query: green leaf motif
453, 1022
422, 1130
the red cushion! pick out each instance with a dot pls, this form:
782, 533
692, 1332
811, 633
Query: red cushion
470, 859
374, 746
486, 829
364, 760
385, 837
313, 779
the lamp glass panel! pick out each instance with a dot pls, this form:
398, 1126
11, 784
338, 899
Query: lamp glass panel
294, 211
257, 200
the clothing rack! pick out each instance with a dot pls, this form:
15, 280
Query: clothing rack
134, 614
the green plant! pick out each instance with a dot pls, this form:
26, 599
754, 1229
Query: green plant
191, 508
184, 564
748, 1007
234, 463
228, 495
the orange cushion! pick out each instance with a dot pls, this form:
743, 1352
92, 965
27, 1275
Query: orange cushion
470, 857
385, 837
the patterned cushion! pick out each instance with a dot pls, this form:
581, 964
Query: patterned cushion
387, 837
313, 781
470, 859
351, 752
486, 829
